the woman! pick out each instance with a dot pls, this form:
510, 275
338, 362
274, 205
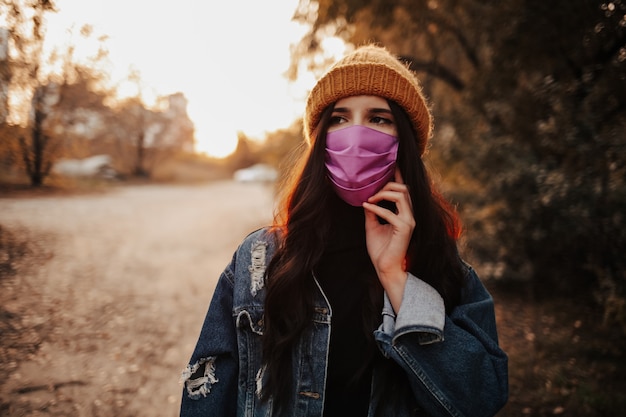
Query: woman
355, 302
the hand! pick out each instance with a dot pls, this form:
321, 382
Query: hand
387, 244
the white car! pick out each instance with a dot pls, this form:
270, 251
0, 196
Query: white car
256, 173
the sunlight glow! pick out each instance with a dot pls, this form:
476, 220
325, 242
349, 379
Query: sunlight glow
227, 58
333, 47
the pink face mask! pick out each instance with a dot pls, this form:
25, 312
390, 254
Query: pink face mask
360, 161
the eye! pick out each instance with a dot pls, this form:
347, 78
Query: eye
337, 120
379, 120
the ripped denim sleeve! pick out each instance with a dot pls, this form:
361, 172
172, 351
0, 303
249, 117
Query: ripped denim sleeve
199, 377
210, 380
257, 266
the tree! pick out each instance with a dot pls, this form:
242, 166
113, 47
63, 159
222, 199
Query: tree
5, 75
80, 117
67, 111
529, 100
51, 93
178, 129
26, 34
279, 145
244, 154
38, 149
145, 137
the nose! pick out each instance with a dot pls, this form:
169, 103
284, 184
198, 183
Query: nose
358, 119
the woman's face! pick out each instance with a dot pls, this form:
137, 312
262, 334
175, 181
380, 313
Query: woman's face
368, 111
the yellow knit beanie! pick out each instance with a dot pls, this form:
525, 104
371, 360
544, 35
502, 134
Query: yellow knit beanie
370, 70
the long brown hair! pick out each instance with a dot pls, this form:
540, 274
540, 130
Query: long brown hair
302, 223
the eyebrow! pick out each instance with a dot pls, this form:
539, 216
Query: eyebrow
381, 110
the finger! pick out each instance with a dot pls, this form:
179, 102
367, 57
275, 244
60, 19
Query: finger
403, 225
389, 195
397, 194
370, 216
395, 186
398, 176
373, 210
390, 187
400, 180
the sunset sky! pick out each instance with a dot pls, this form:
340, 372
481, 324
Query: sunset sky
227, 57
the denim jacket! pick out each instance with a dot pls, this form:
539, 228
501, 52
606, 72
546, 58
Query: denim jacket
453, 362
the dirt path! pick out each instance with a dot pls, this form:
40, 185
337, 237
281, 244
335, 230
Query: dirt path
107, 312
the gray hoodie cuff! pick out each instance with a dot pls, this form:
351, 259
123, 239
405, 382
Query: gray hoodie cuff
422, 312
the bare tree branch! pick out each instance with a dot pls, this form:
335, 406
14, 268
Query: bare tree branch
436, 70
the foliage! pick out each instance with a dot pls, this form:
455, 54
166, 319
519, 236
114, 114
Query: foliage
276, 150
281, 144
26, 34
530, 106
8, 147
67, 111
189, 168
560, 361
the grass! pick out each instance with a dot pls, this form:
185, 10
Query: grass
562, 359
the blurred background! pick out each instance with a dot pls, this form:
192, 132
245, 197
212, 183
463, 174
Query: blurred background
175, 103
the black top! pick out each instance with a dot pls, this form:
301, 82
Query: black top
344, 273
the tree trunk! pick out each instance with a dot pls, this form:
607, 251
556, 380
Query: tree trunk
140, 170
38, 145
